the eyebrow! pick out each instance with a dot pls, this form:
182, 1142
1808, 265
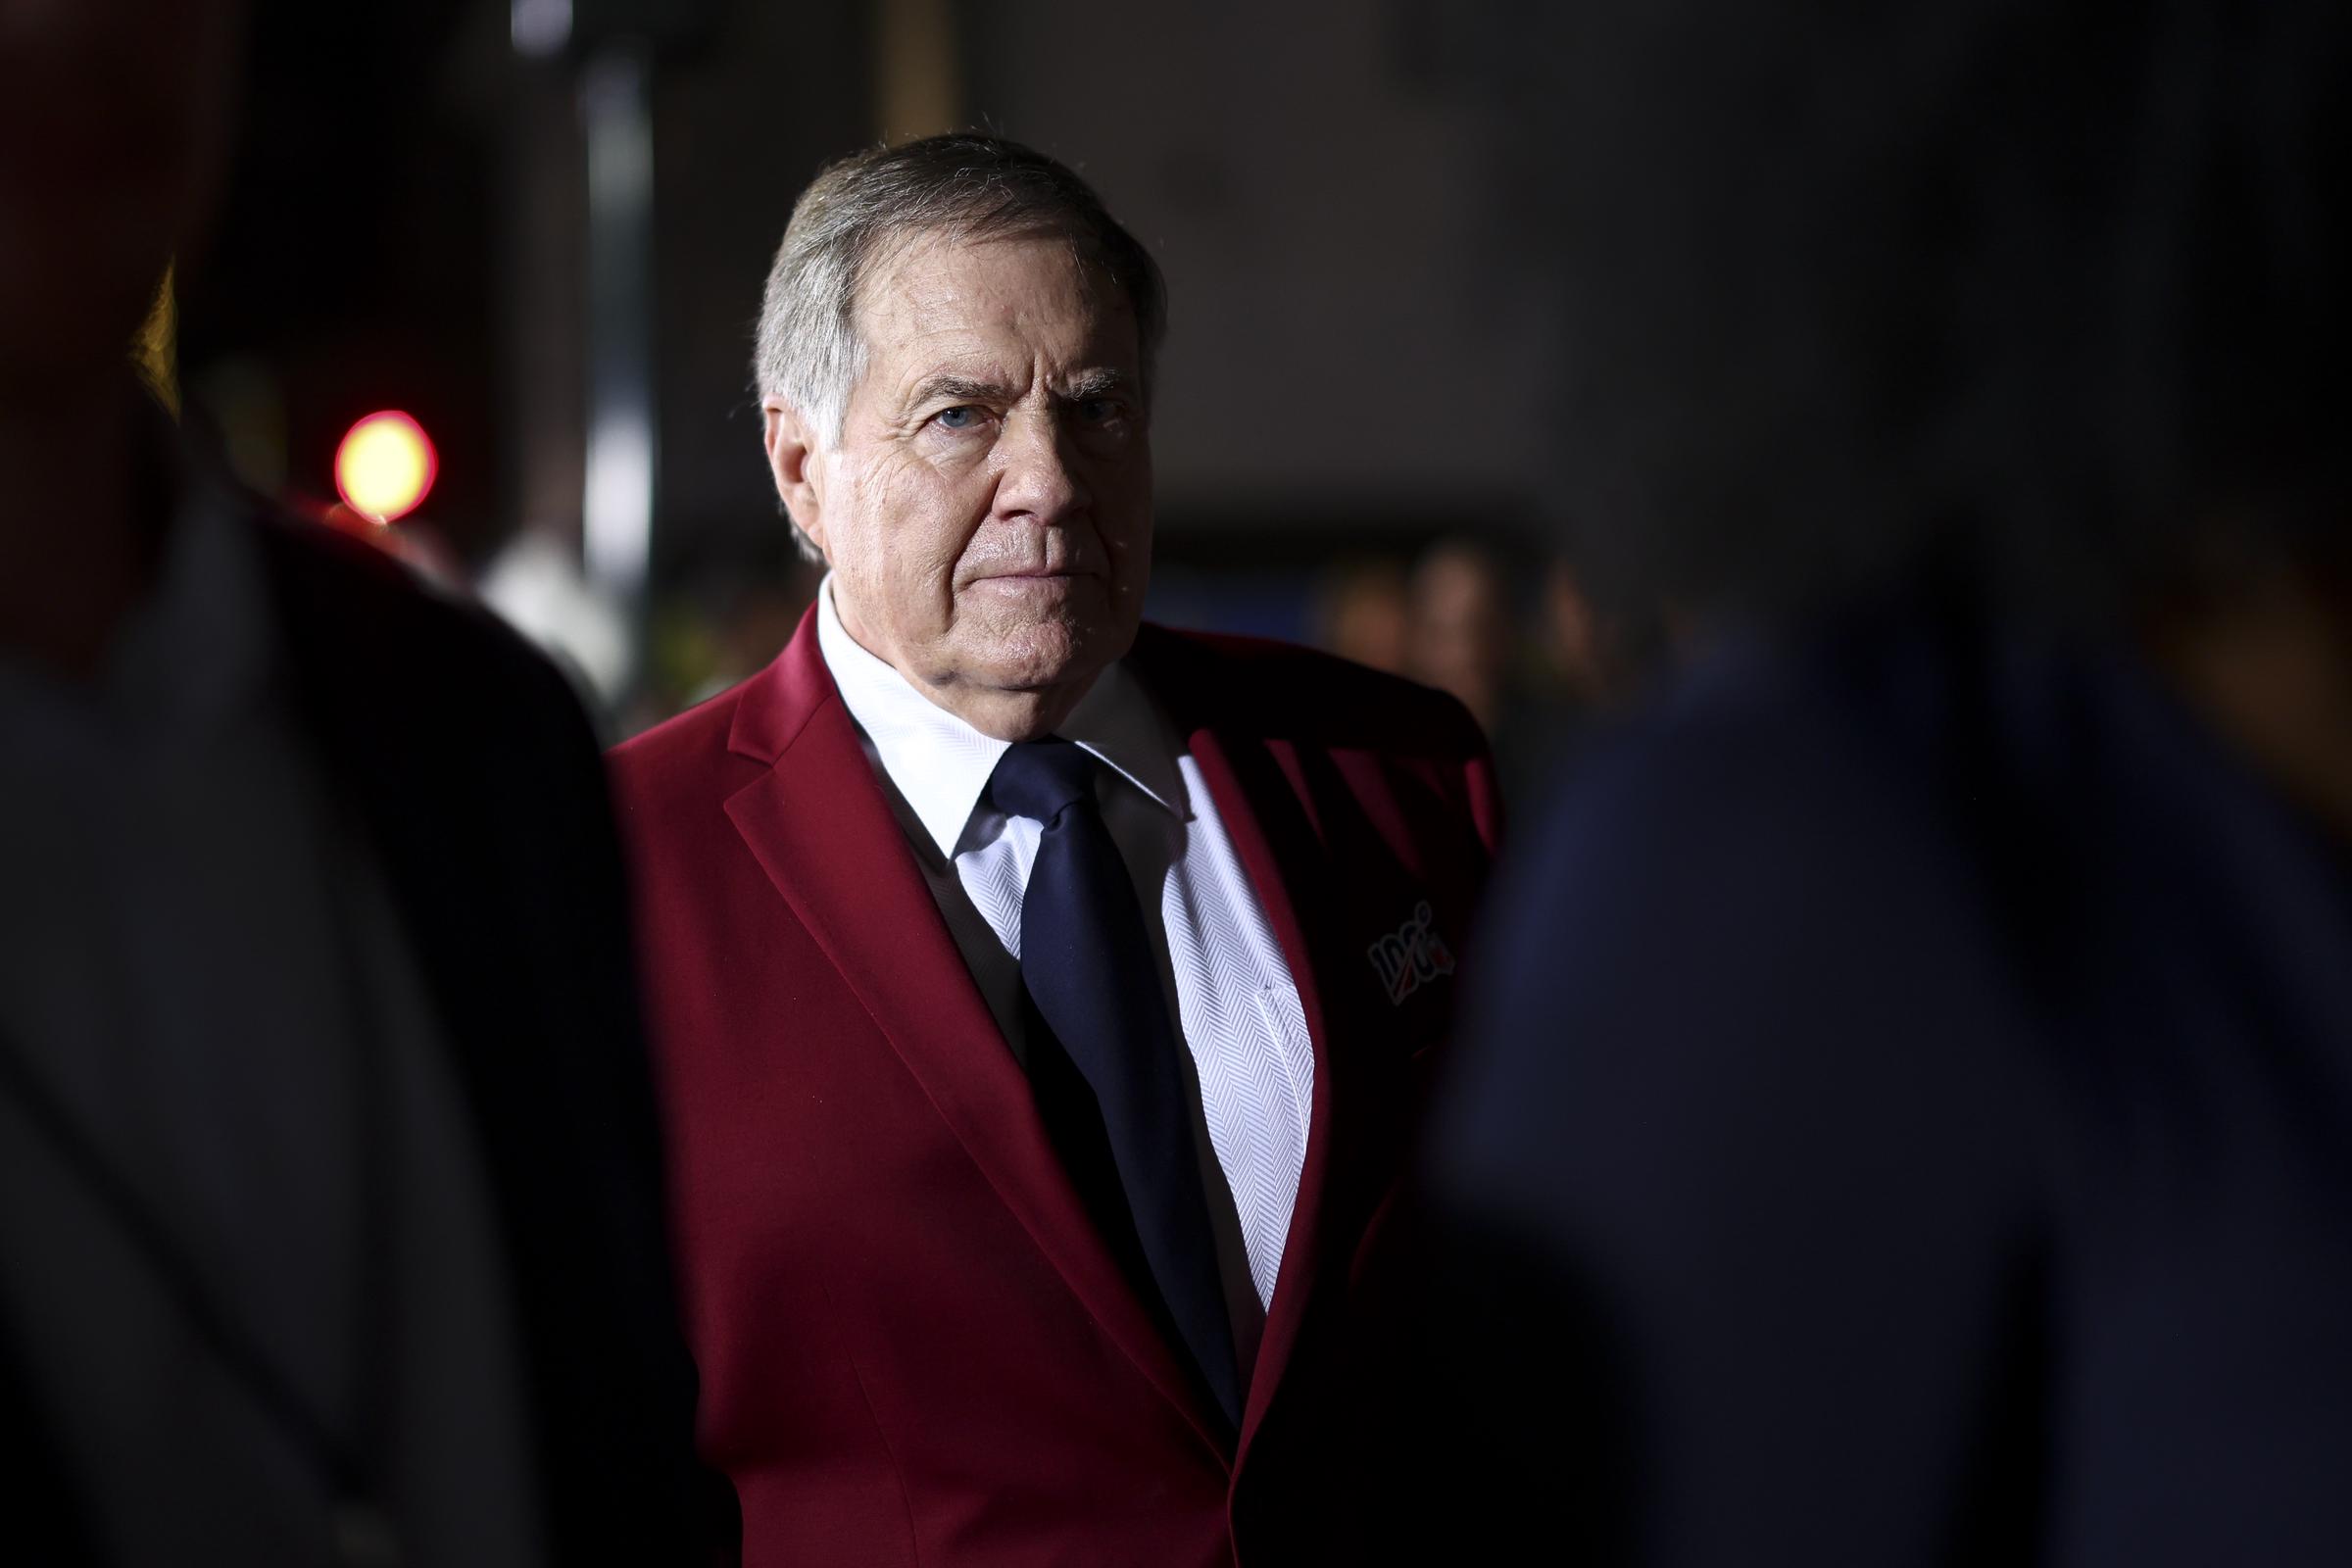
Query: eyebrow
958, 389
955, 388
1097, 384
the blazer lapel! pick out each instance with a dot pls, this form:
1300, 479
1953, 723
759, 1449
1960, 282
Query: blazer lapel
820, 827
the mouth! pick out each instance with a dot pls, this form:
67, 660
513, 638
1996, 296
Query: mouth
1031, 577
1019, 582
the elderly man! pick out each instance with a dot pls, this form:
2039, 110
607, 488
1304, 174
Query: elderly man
1043, 999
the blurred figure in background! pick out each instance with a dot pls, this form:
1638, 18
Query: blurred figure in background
1587, 660
1465, 634
1362, 614
1910, 1119
329, 1224
1460, 634
1582, 664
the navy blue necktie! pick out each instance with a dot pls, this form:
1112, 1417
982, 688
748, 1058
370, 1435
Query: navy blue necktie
1086, 958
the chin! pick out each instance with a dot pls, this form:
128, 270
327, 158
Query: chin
1042, 658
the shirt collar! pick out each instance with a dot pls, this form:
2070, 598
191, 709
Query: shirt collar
942, 765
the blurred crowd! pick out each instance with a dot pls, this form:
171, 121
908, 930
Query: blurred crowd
1518, 641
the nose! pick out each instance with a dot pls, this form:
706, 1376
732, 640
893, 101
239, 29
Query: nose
1037, 480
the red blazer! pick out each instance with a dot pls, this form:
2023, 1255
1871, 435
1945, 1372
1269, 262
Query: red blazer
913, 1347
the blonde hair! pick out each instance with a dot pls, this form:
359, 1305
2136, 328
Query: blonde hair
155, 347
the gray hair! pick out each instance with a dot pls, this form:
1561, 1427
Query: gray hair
809, 354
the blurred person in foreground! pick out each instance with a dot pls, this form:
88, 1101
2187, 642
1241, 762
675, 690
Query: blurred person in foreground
1043, 999
1908, 1118
329, 1228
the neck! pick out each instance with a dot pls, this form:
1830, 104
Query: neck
73, 554
1008, 715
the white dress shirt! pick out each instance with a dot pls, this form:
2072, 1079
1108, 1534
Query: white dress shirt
1233, 1002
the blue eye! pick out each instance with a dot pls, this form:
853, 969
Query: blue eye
1098, 410
963, 416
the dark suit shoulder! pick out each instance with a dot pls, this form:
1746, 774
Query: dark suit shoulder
371, 619
349, 579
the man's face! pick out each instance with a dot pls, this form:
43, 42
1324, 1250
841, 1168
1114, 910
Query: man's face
988, 510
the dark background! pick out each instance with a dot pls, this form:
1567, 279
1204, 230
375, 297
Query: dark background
1354, 372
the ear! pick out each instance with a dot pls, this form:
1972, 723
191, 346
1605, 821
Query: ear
796, 460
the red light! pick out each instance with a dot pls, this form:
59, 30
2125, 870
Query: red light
385, 466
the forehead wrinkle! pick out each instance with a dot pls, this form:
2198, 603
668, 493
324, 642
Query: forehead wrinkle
898, 278
931, 290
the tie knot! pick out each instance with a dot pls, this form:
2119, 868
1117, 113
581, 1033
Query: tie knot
1039, 779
